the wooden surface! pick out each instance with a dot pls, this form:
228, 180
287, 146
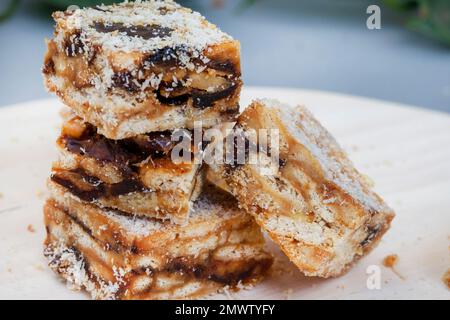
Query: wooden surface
406, 152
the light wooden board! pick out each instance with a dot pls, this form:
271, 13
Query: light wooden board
405, 150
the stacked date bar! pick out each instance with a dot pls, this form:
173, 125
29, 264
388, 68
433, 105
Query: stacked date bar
134, 175
113, 255
123, 220
134, 68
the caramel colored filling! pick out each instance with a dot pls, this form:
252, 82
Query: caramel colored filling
302, 173
218, 80
89, 188
81, 138
225, 272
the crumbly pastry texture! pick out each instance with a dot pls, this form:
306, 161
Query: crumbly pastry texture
125, 222
114, 256
132, 68
135, 175
316, 206
172, 25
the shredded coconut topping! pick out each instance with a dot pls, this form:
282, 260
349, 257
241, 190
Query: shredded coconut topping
178, 27
66, 261
208, 207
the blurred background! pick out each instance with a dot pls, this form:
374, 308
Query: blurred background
312, 44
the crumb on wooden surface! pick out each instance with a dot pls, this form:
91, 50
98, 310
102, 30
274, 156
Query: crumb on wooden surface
390, 261
30, 228
446, 278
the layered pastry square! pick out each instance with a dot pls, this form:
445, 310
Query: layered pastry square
313, 202
139, 67
135, 175
113, 255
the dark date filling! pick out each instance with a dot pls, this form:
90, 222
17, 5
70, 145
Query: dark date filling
100, 9
219, 271
170, 57
225, 66
49, 67
173, 101
93, 188
143, 31
124, 154
372, 232
252, 268
200, 99
229, 273
74, 45
167, 57
126, 81
204, 99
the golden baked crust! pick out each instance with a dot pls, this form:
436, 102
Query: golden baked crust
118, 257
133, 68
316, 206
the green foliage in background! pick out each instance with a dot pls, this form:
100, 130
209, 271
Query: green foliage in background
429, 17
8, 9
